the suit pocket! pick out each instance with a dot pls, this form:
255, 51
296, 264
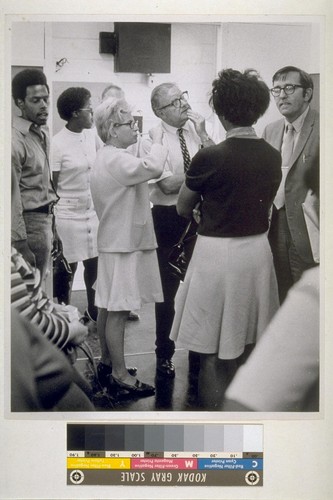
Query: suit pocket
66, 207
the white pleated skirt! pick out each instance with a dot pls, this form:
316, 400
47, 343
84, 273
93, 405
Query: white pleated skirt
228, 297
126, 281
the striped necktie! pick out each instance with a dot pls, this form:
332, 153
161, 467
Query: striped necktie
183, 147
286, 153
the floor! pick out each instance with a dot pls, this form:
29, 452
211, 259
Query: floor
178, 394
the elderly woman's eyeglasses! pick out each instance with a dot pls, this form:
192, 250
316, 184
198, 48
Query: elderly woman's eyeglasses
132, 124
288, 89
86, 109
177, 103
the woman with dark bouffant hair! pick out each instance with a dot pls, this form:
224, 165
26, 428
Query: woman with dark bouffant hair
230, 292
74, 151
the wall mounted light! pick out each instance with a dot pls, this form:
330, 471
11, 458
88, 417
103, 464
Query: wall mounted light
60, 63
150, 80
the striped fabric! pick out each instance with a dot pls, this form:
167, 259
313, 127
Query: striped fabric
28, 298
183, 147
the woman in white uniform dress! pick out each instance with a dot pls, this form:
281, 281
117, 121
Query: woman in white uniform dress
73, 154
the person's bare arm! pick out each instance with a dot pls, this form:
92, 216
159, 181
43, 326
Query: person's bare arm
172, 184
187, 201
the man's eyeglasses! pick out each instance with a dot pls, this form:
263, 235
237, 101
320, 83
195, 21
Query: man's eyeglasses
177, 103
132, 124
288, 89
86, 109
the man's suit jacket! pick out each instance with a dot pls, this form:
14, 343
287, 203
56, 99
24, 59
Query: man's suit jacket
306, 153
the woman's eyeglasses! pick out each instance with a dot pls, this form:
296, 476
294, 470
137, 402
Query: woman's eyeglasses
288, 89
132, 124
86, 109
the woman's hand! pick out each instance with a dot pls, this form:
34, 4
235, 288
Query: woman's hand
156, 134
77, 332
196, 212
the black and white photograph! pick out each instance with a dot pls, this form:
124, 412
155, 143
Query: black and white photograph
165, 229
137, 158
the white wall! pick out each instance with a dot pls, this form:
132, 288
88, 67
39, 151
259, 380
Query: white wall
193, 63
268, 47
198, 52
193, 60
27, 44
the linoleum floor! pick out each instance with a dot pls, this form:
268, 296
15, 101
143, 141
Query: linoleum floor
178, 394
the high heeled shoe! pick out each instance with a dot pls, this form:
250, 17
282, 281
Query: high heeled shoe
138, 390
104, 373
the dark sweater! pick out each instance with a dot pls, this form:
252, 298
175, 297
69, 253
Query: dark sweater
237, 180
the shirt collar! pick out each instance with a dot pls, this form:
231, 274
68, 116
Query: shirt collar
24, 126
241, 132
173, 130
298, 123
21, 124
73, 134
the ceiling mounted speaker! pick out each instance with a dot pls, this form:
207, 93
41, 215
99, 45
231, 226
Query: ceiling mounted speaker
107, 43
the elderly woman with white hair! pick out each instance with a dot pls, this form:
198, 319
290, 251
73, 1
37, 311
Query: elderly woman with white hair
128, 274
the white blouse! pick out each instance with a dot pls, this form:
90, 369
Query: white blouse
73, 155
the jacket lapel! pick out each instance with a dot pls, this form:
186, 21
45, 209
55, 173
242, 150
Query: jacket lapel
304, 135
277, 135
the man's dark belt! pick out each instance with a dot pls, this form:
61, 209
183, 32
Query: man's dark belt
45, 209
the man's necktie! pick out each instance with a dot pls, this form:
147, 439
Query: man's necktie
286, 153
183, 147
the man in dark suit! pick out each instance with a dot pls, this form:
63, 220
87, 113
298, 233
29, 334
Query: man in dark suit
297, 137
184, 133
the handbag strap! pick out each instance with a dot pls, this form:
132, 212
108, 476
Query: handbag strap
186, 230
85, 347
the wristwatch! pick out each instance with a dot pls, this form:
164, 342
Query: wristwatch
204, 139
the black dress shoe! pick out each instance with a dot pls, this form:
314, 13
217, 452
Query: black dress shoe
132, 370
165, 367
105, 371
127, 391
133, 316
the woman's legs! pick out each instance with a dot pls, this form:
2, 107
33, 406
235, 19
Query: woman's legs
104, 368
63, 282
90, 276
114, 336
101, 326
111, 330
214, 377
